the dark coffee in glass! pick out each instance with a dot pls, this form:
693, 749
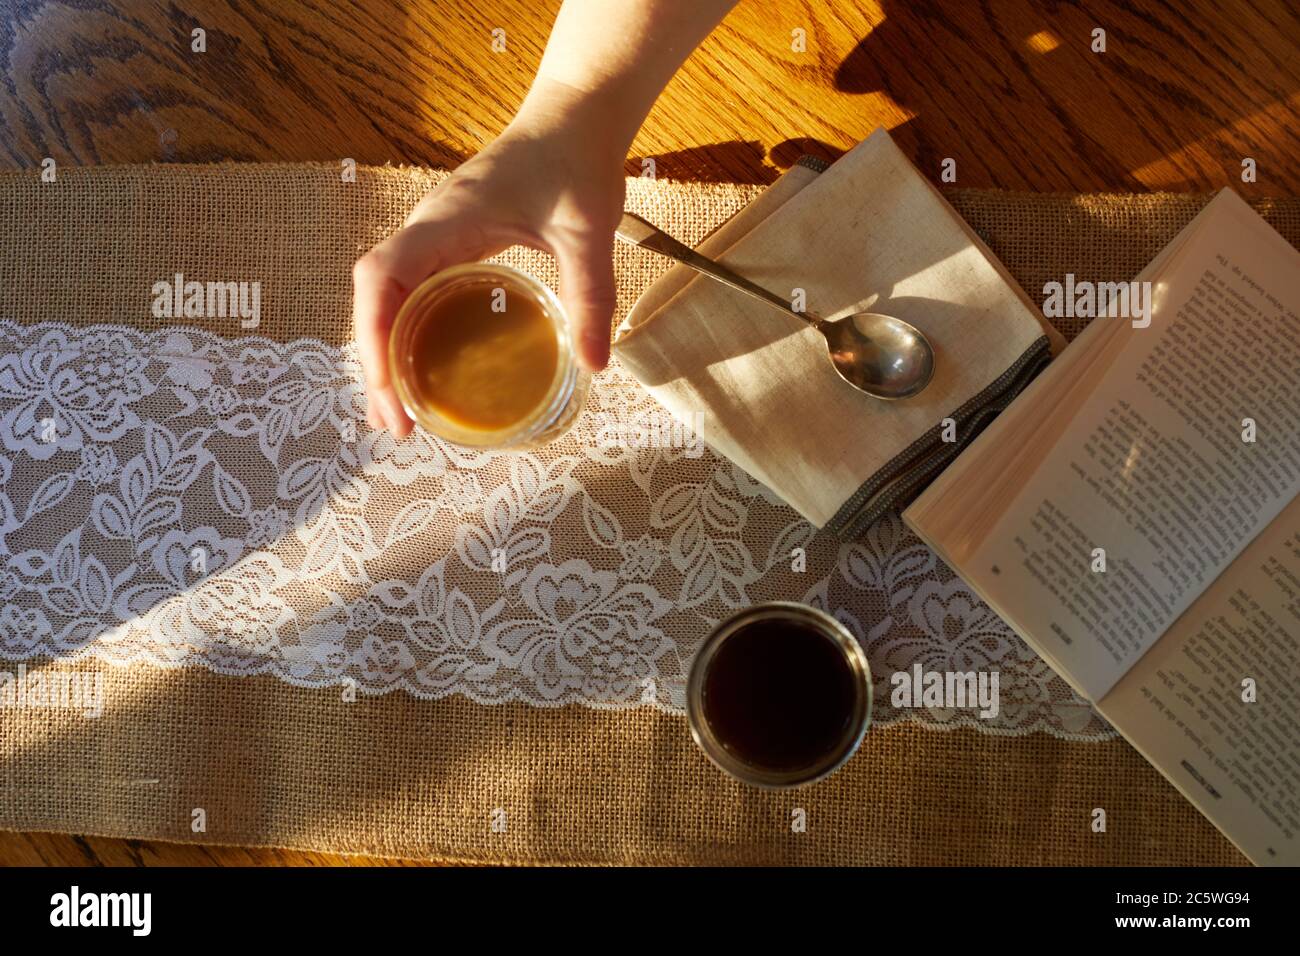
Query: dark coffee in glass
779, 695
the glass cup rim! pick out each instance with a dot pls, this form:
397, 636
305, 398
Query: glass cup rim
760, 777
562, 383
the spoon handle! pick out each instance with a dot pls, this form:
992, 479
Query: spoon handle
636, 231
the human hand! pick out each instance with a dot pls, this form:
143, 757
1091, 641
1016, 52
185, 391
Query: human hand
553, 181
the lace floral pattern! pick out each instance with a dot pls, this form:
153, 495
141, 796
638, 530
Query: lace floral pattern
184, 499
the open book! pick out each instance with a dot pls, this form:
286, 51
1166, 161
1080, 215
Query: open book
1134, 516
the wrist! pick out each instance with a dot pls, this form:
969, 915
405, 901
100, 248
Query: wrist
593, 120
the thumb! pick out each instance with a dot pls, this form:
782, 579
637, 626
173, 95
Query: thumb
588, 292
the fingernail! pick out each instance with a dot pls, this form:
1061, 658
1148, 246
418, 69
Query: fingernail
394, 414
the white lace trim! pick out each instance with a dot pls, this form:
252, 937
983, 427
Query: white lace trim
183, 499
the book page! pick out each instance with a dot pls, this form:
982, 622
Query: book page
1153, 470
1215, 705
957, 511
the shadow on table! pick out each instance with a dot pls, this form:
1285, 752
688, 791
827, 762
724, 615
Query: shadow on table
736, 161
1020, 95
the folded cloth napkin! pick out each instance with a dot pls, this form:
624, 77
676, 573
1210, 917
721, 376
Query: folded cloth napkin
868, 233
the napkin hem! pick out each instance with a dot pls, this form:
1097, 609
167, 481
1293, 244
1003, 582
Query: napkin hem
815, 163
907, 473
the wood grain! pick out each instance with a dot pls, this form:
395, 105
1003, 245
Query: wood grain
1011, 90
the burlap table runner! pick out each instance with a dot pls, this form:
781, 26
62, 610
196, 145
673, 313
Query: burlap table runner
271, 764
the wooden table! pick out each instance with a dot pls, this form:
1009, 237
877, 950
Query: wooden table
1012, 91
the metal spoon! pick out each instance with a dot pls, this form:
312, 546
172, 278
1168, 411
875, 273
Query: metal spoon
877, 354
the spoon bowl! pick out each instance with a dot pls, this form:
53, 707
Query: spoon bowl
879, 354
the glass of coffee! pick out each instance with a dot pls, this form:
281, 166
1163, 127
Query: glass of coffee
779, 695
482, 355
